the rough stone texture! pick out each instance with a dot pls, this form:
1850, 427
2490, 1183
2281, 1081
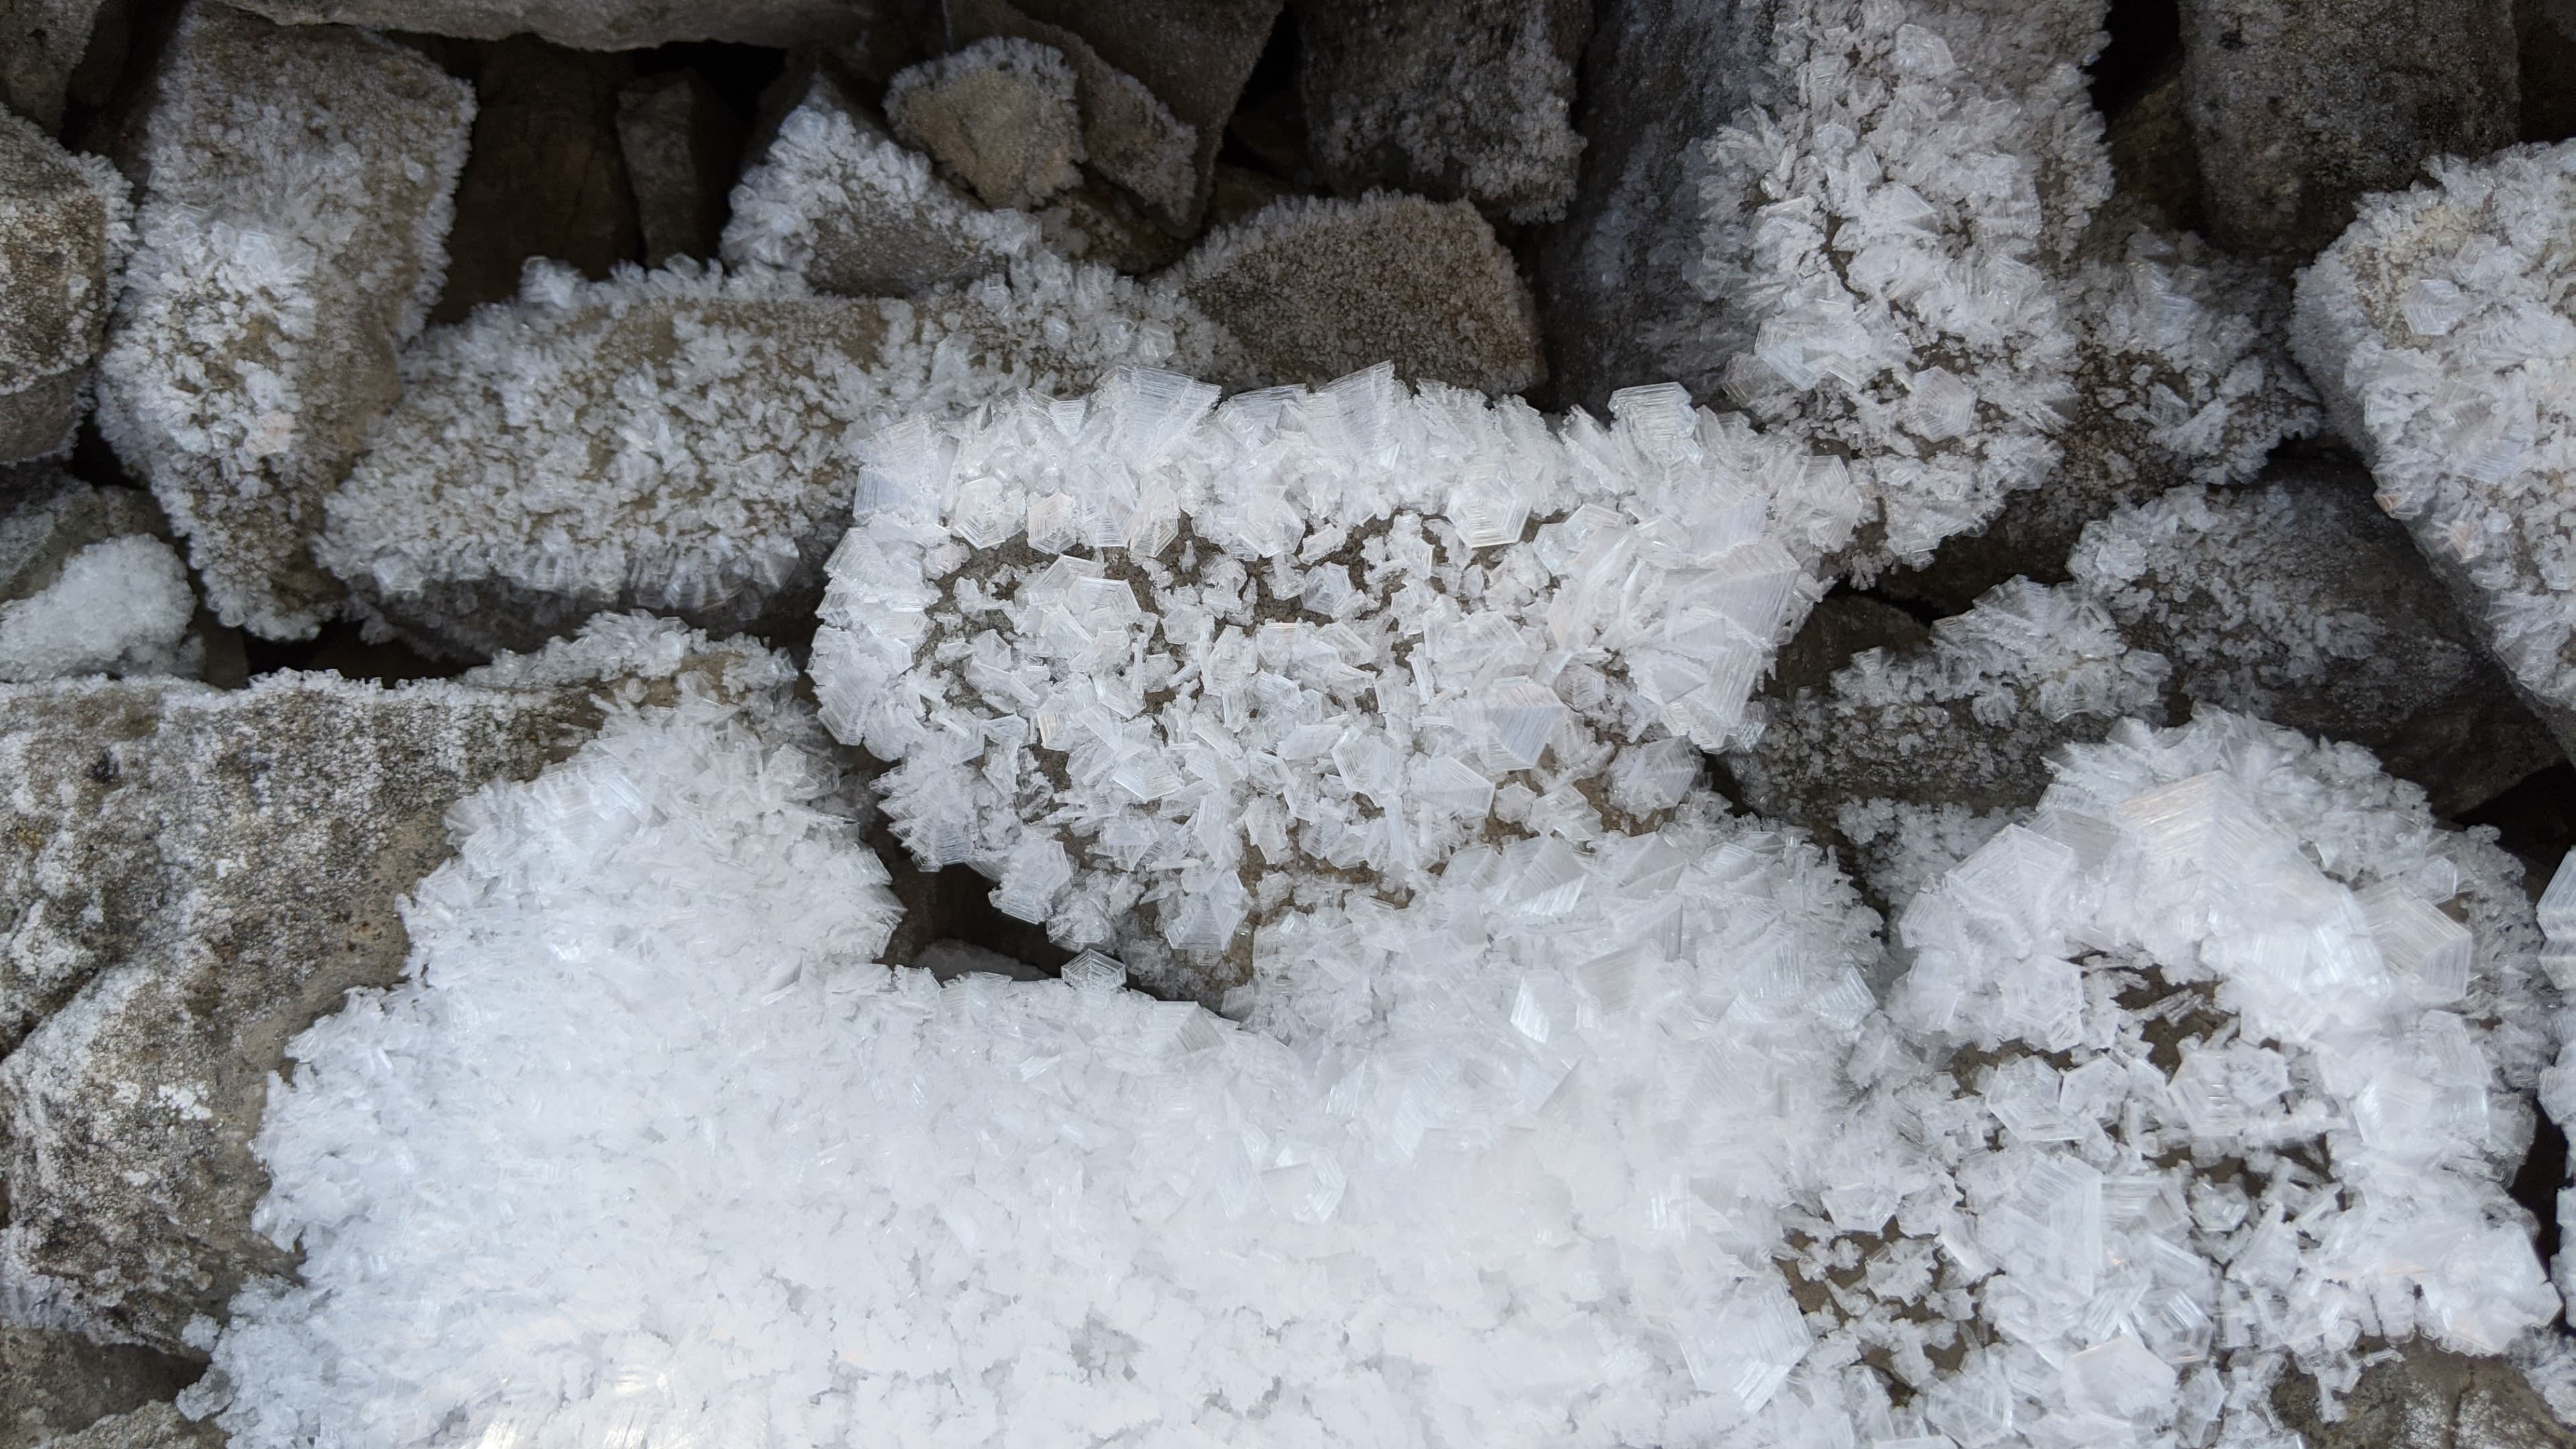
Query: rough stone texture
1458, 98
1620, 278
41, 43
54, 1383
838, 202
680, 144
193, 876
154, 1426
293, 223
546, 176
2441, 329
2425, 1398
2298, 601
584, 450
595, 24
1000, 113
2299, 107
63, 233
1154, 74
1316, 290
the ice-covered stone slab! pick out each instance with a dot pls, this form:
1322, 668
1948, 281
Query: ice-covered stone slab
839, 202
2442, 330
1001, 113
1144, 650
190, 877
64, 230
1316, 289
593, 24
1590, 1086
292, 235
681, 440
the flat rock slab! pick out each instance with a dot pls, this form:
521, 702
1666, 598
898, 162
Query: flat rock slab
191, 876
292, 234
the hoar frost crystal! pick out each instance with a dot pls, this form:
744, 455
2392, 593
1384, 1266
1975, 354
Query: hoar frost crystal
1142, 650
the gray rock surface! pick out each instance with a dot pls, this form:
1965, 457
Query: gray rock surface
64, 230
1001, 113
2298, 601
193, 876
2425, 1398
41, 44
1451, 99
154, 1426
2299, 107
680, 145
1317, 289
295, 204
55, 1383
596, 24
1148, 69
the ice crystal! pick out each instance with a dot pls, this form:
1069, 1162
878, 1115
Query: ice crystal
1145, 650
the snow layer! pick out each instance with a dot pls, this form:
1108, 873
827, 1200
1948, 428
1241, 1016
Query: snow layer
292, 236
120, 606
680, 440
2442, 329
1142, 650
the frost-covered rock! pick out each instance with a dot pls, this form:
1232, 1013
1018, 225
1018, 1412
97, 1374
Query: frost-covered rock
154, 1426
2442, 330
1000, 113
681, 440
1145, 651
2258, 1036
2298, 109
291, 236
54, 1383
2422, 1397
64, 231
592, 24
190, 877
844, 205
2298, 602
1318, 289
1873, 223
1454, 99
1962, 726
2557, 915
89, 586
1159, 80
1525, 1196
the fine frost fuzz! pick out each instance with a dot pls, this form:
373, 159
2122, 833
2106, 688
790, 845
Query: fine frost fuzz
119, 606
1141, 650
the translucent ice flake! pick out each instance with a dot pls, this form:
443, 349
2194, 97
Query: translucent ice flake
1225, 654
2268, 1107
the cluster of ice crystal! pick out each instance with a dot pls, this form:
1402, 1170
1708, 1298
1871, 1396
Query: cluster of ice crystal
2243, 1036
680, 440
292, 234
1144, 650
644, 1145
850, 209
2442, 330
1969, 720
119, 606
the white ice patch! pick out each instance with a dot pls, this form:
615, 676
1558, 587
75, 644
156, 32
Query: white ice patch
120, 606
